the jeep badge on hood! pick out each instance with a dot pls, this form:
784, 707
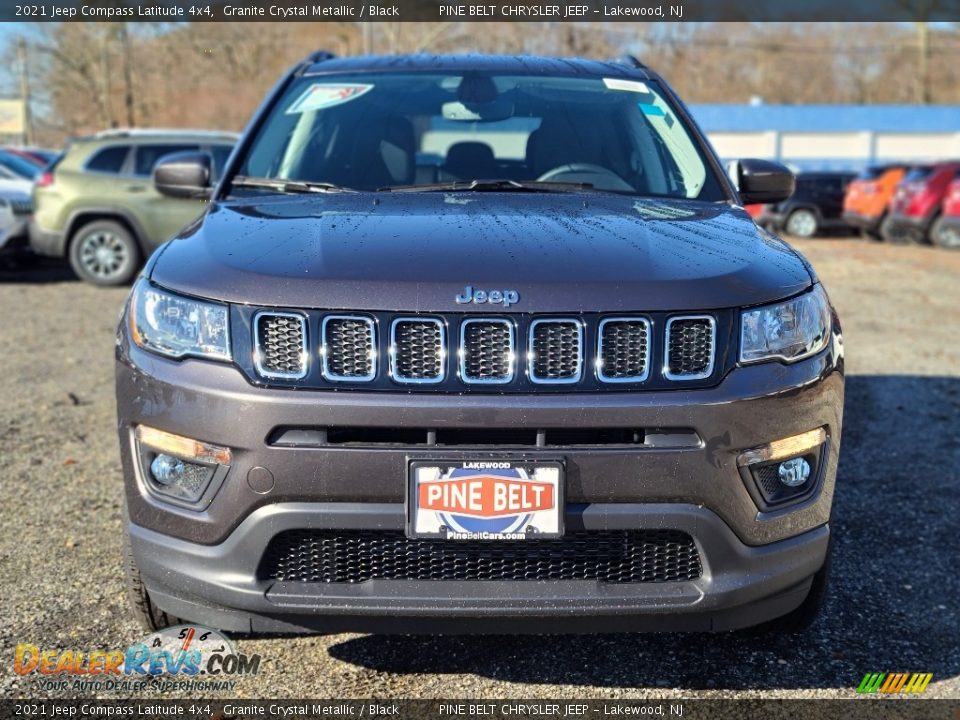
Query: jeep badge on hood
479, 297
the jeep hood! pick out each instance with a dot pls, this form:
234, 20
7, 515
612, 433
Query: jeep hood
417, 251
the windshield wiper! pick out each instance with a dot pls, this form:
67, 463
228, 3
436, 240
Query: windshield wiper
286, 186
491, 186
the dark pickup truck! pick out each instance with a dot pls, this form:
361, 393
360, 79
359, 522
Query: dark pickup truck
483, 344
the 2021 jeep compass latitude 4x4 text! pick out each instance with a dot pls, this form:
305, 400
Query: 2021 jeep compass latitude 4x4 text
485, 344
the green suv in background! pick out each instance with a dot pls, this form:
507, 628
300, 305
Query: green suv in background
97, 205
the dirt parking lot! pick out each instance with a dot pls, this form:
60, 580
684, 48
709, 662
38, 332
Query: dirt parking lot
892, 606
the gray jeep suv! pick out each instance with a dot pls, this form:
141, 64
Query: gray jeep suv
477, 343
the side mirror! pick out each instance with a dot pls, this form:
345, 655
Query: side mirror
763, 181
184, 175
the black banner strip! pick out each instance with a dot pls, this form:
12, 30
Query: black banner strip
460, 11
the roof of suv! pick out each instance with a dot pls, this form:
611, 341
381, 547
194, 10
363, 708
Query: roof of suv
627, 67
154, 134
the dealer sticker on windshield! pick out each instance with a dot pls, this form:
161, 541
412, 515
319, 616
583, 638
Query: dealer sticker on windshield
485, 500
324, 95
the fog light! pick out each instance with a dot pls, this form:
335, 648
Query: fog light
167, 469
181, 469
794, 473
180, 478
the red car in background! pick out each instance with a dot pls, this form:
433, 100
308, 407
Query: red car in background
945, 230
916, 204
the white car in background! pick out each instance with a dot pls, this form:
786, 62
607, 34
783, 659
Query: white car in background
15, 207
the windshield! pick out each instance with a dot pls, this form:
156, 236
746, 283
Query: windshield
392, 130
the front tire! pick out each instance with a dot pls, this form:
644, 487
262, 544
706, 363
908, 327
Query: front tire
148, 616
802, 223
875, 232
891, 234
943, 236
799, 620
105, 253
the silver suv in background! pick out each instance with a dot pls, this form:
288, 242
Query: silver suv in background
97, 205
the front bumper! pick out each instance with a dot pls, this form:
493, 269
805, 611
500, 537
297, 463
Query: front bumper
203, 565
869, 223
46, 242
907, 226
218, 585
15, 236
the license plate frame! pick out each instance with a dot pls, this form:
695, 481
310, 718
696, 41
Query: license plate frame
508, 491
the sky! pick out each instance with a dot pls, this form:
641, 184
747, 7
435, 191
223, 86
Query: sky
8, 76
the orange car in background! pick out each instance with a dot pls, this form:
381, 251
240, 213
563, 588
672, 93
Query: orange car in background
865, 204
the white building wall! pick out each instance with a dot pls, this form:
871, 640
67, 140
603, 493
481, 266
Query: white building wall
745, 144
914, 146
853, 148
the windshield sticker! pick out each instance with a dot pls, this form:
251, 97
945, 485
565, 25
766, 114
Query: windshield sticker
627, 85
324, 95
651, 110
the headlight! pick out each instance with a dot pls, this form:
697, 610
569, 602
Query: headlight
788, 331
178, 326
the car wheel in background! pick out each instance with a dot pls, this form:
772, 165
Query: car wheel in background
945, 236
875, 232
104, 252
890, 233
802, 223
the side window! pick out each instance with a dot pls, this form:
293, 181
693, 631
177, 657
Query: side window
146, 156
109, 160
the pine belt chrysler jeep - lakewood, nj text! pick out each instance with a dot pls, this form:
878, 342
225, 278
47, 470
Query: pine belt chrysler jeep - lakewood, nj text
477, 343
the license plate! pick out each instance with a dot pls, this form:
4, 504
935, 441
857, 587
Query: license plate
485, 499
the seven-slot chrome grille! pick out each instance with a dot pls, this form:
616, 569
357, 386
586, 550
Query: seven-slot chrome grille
510, 353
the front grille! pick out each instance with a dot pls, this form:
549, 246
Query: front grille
589, 352
486, 351
418, 351
354, 556
556, 351
624, 350
349, 348
21, 207
281, 345
690, 349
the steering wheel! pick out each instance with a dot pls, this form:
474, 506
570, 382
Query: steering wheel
596, 175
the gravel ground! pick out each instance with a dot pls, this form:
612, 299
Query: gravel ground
892, 605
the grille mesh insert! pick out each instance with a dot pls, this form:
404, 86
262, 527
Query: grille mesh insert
487, 351
624, 349
282, 342
557, 351
418, 350
348, 348
21, 207
352, 556
690, 345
